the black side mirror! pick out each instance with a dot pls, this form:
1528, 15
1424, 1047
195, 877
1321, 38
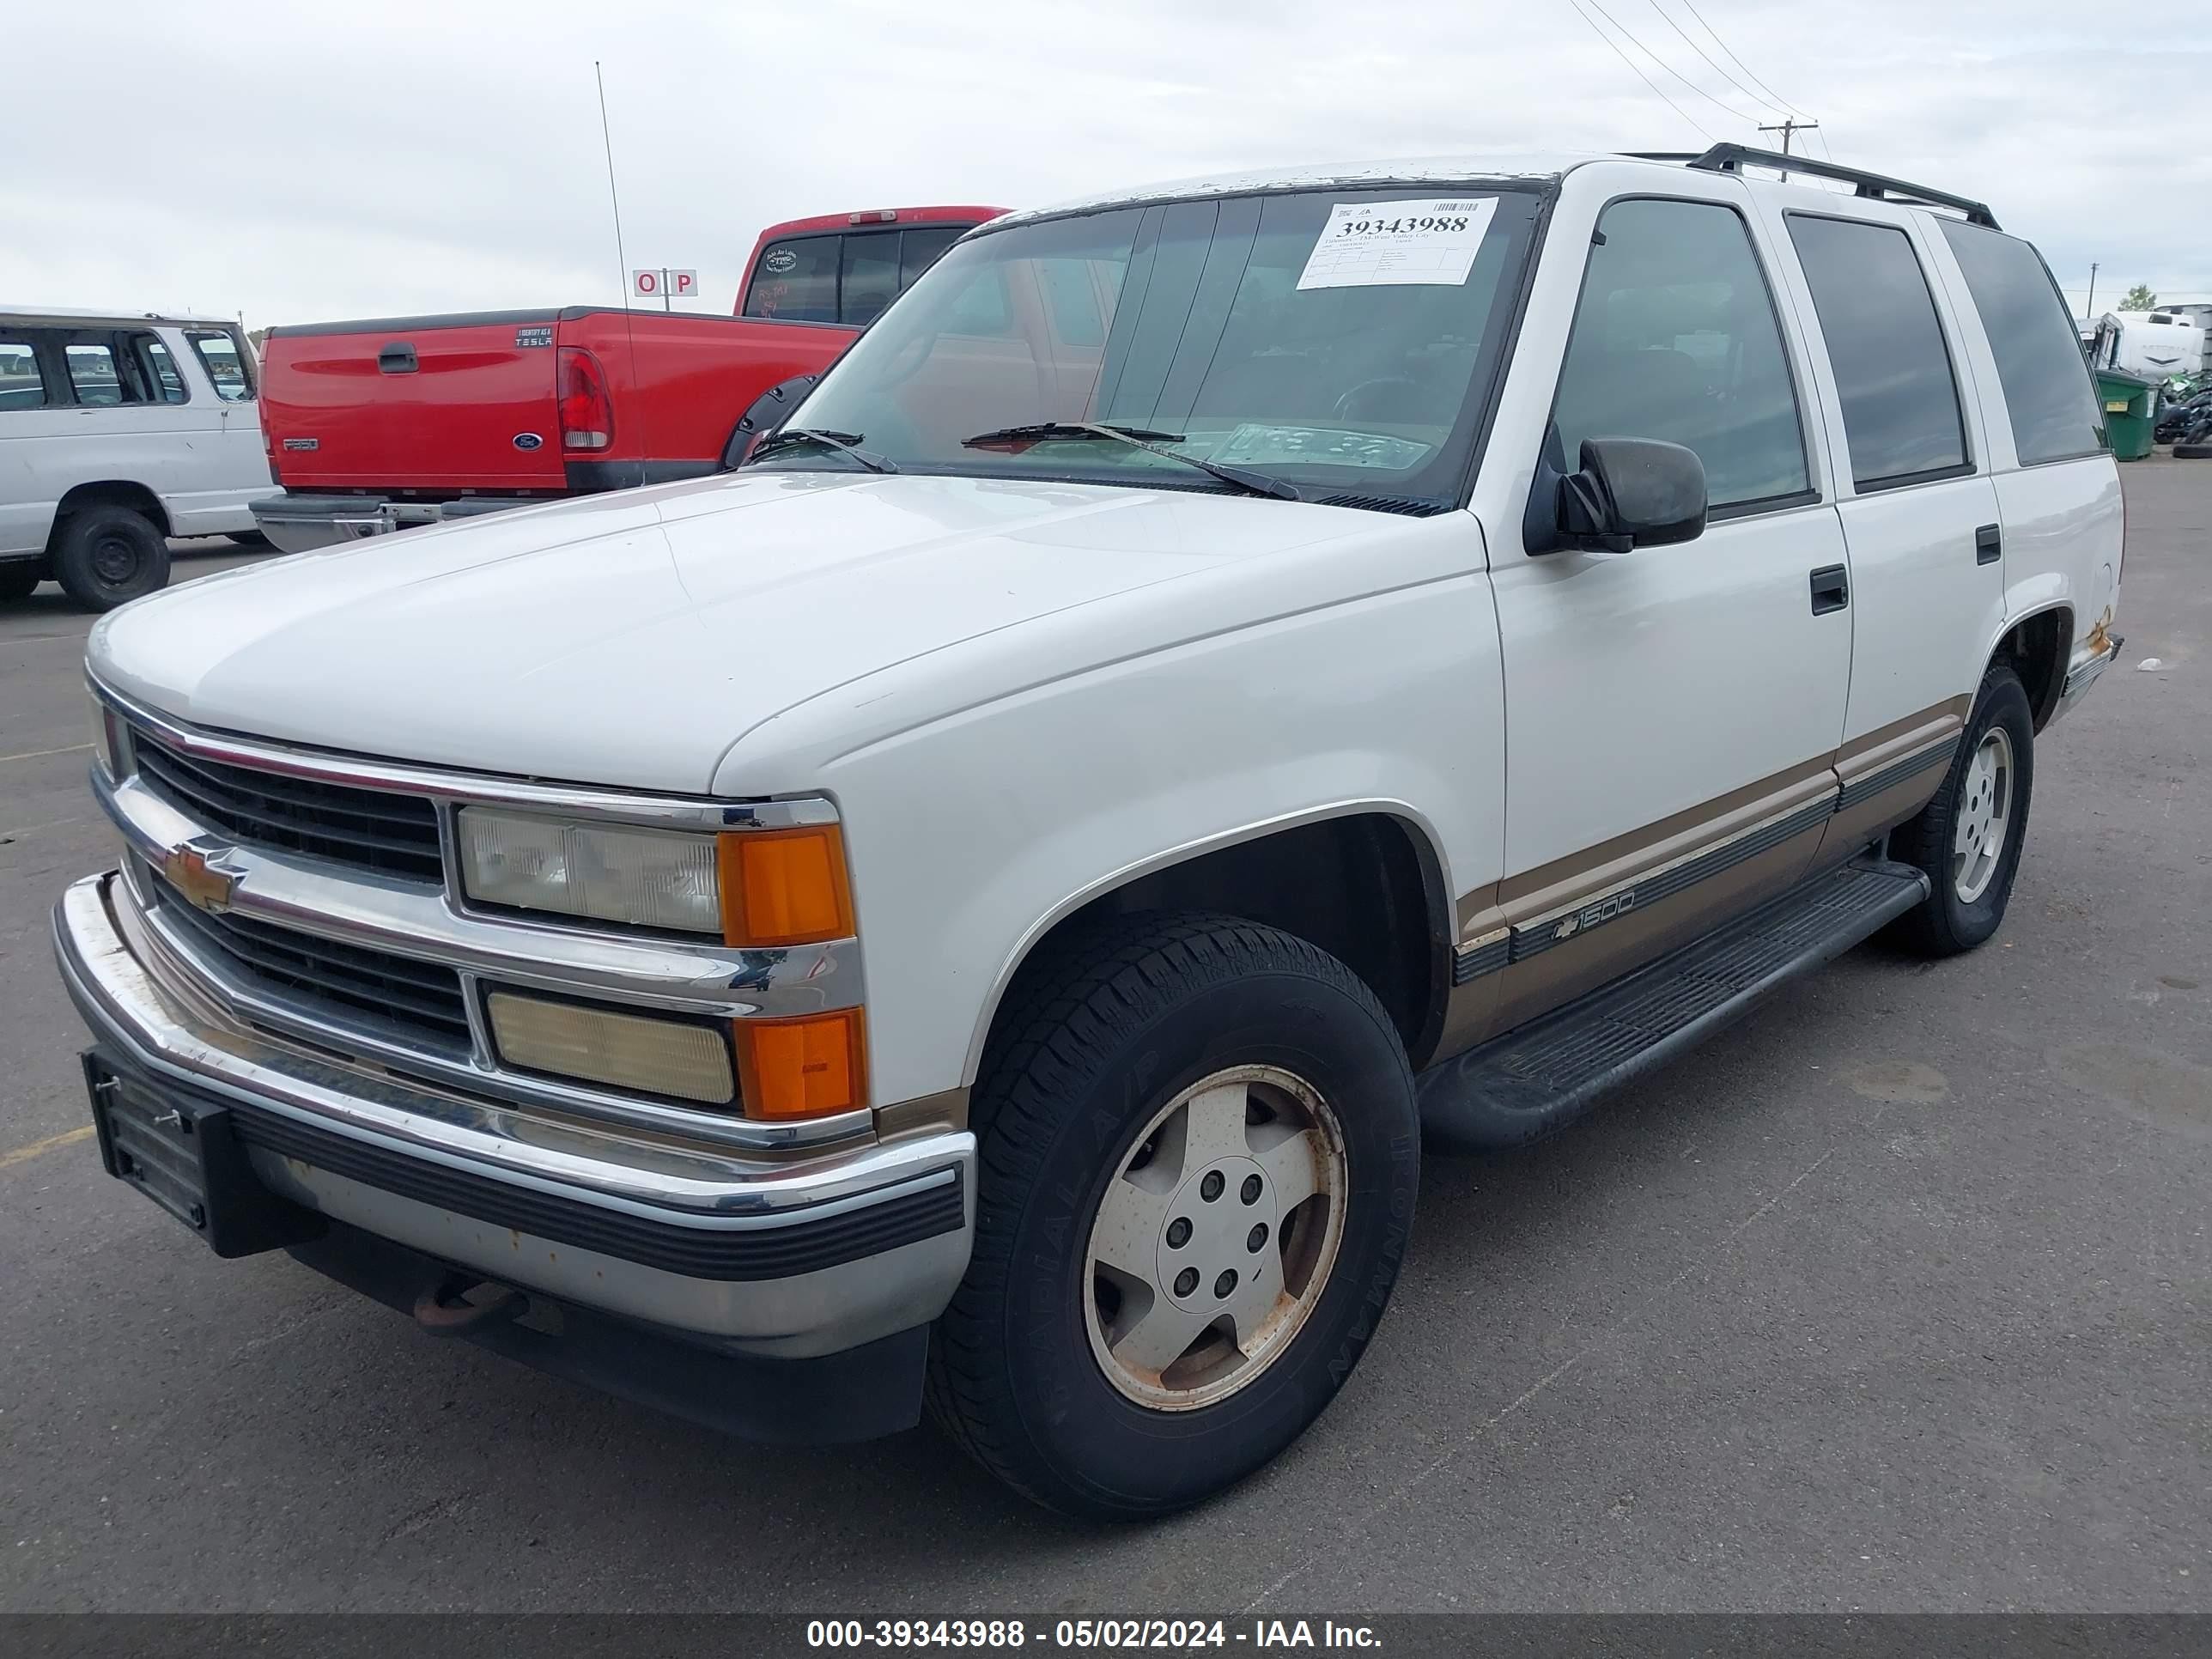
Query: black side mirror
769, 411
1630, 492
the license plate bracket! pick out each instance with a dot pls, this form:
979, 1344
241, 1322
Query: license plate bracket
181, 1150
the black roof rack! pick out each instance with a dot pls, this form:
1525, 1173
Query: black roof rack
1874, 186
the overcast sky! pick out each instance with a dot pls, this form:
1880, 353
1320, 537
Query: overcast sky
311, 161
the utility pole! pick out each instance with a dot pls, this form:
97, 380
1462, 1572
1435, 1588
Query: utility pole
1788, 127
2092, 311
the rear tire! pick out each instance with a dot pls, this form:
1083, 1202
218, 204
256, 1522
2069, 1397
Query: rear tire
1968, 838
18, 581
1188, 1118
110, 556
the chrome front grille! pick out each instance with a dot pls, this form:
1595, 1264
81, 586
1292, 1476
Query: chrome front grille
394, 834
422, 1002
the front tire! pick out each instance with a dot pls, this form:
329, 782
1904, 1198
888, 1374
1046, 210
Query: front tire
1968, 838
1198, 1154
110, 556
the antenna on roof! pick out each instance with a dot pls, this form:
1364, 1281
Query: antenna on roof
622, 259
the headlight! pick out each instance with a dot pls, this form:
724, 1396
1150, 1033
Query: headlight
751, 887
647, 878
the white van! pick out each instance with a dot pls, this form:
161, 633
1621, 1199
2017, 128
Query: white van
116, 433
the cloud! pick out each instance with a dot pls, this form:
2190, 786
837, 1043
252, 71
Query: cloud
300, 163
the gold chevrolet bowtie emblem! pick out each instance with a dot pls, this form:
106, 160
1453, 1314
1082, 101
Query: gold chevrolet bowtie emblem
203, 886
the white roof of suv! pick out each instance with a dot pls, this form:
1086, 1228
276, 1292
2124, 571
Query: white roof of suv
71, 316
1497, 165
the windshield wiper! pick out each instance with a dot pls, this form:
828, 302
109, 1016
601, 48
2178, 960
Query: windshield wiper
1138, 437
847, 442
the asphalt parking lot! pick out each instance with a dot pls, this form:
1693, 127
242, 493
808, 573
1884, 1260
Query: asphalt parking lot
1897, 1297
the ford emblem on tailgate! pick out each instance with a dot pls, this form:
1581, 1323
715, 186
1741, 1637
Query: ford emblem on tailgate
528, 440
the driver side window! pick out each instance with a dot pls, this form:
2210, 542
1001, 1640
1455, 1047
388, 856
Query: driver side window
1675, 338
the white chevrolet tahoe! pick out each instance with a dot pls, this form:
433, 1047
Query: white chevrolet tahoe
980, 906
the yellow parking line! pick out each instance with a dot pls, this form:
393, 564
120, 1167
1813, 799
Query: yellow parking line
24, 1154
40, 754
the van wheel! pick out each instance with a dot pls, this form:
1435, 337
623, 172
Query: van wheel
18, 581
1197, 1155
1968, 838
109, 555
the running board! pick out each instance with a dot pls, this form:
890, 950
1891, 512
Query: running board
1535, 1078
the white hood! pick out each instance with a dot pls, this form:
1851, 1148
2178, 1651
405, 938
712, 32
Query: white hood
630, 638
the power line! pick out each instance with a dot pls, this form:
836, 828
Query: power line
1640, 75
1740, 63
1667, 19
1733, 114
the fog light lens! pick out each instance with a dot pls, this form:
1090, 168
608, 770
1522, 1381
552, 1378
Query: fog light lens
808, 1067
624, 1051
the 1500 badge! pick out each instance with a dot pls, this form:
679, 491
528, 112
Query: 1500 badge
1595, 916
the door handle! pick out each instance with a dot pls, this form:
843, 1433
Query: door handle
1989, 544
398, 358
1832, 589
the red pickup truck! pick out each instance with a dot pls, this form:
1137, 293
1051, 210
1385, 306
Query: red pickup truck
391, 421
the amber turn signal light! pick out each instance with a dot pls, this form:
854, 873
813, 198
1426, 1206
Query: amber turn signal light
805, 1068
784, 886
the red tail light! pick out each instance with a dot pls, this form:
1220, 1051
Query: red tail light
587, 414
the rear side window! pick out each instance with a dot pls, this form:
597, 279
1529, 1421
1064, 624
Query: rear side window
1886, 348
796, 281
95, 376
2047, 390
869, 278
227, 366
920, 249
1675, 338
22, 382
157, 370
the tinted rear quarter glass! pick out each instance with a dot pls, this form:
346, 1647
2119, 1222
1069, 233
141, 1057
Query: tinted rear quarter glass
796, 281
2047, 391
1886, 348
922, 248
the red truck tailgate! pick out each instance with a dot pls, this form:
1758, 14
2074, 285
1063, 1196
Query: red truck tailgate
464, 402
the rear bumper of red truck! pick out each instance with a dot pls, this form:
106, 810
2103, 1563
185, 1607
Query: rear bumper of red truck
300, 524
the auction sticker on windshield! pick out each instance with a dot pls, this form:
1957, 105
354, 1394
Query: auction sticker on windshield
1369, 244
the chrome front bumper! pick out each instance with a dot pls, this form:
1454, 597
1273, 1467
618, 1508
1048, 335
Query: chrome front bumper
753, 1254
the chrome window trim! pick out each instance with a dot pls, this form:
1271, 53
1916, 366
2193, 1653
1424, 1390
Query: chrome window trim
463, 788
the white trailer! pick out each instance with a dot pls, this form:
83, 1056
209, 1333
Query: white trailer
2155, 344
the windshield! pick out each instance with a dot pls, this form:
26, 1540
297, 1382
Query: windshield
1341, 342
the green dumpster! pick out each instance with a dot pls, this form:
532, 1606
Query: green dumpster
2130, 405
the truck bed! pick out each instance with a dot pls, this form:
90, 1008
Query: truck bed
439, 407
